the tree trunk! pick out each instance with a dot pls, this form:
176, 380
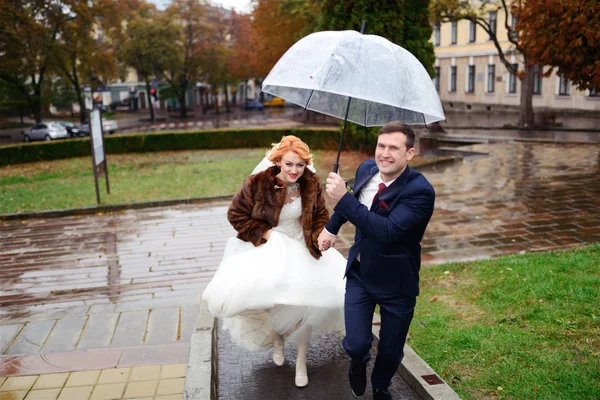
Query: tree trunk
226, 92
182, 96
81, 102
526, 117
74, 78
202, 100
36, 105
262, 94
150, 102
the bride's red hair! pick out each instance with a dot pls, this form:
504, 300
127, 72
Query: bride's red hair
290, 143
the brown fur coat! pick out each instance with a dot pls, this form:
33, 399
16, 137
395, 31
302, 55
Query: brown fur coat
256, 207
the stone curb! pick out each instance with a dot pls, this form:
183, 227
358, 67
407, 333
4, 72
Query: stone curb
202, 378
418, 374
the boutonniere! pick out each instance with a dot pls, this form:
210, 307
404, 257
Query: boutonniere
349, 189
383, 205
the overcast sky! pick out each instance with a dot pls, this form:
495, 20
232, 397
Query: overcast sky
238, 5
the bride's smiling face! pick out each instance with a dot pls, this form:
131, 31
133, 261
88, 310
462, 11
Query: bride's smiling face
292, 167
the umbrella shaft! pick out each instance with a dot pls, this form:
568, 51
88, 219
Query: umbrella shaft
337, 160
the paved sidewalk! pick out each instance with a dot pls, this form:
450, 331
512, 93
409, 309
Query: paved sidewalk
121, 290
140, 383
248, 375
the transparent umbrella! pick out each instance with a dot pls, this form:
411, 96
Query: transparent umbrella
365, 79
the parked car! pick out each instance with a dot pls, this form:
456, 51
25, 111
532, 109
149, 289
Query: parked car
71, 128
254, 105
275, 102
46, 131
108, 126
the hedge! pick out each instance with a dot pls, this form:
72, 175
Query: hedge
326, 138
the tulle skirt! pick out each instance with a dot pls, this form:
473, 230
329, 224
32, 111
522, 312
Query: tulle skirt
277, 287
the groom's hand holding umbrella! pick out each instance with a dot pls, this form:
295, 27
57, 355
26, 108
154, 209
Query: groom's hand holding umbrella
335, 187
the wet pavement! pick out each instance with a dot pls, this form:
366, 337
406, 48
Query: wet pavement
507, 135
122, 289
498, 119
521, 197
256, 377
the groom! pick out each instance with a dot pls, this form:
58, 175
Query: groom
390, 205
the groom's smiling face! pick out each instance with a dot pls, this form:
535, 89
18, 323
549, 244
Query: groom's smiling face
391, 155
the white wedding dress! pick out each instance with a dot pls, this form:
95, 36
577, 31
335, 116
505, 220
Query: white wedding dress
278, 286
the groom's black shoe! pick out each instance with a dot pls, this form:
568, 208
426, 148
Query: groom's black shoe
380, 394
358, 378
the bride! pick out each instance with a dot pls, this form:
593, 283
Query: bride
273, 282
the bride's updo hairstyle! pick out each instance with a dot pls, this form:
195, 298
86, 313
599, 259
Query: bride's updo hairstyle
290, 143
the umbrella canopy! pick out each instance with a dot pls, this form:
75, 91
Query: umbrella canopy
384, 81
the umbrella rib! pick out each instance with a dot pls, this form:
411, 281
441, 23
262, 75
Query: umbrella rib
309, 98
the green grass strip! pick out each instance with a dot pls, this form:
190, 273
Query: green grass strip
516, 327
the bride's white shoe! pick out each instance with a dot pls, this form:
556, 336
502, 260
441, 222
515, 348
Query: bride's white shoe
278, 357
301, 376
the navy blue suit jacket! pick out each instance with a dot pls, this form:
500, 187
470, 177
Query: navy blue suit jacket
388, 236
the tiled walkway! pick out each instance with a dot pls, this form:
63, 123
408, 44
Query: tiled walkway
139, 383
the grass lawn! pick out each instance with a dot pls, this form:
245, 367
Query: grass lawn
516, 327
135, 177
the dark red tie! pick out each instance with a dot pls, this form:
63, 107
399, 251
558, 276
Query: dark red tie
381, 187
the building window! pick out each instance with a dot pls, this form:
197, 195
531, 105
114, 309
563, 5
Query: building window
453, 32
436, 80
472, 31
471, 79
594, 92
437, 36
512, 79
453, 78
564, 87
513, 27
492, 20
491, 78
537, 80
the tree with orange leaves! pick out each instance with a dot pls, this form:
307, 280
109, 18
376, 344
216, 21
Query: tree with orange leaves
564, 35
275, 27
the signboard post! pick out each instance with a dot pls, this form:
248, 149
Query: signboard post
97, 145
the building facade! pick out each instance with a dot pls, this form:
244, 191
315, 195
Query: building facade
470, 74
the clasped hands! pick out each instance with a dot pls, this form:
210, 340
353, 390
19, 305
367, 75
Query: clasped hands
326, 240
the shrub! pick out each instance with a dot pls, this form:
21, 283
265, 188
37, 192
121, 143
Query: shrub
169, 141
